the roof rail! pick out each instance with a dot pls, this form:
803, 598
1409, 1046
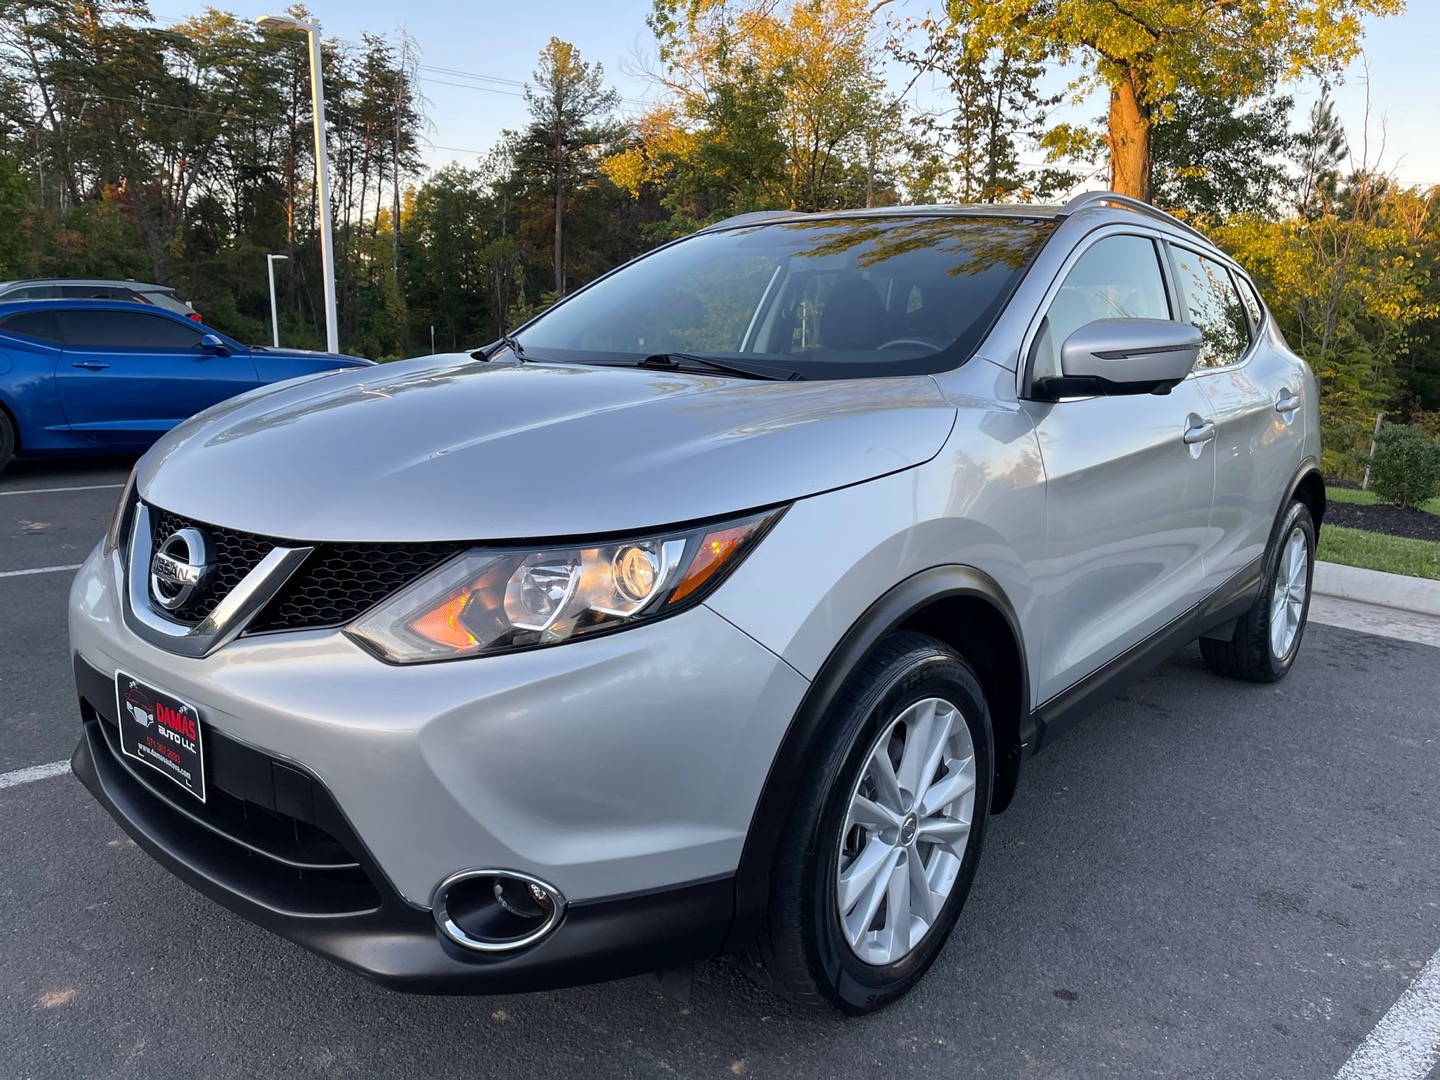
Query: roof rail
754, 217
1110, 198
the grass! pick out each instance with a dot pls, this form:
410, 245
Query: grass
1369, 498
1376, 551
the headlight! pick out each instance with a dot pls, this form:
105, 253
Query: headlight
493, 600
115, 535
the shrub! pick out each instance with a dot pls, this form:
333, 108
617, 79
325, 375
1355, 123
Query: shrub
1406, 467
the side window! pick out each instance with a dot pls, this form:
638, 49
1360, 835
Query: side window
41, 325
1214, 308
126, 330
32, 292
1118, 278
1251, 299
85, 292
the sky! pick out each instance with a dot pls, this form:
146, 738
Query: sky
476, 57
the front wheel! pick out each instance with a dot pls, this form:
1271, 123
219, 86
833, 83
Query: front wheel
1267, 638
880, 849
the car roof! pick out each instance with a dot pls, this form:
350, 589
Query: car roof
8, 307
1089, 205
142, 286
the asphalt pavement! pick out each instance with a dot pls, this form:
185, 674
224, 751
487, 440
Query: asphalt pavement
1205, 879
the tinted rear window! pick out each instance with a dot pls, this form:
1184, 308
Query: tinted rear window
41, 325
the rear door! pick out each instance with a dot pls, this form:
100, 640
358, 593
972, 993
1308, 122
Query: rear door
1128, 496
1253, 389
30, 347
127, 376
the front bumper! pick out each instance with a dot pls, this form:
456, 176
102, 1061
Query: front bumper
370, 929
623, 770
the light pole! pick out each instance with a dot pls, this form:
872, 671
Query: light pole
274, 318
322, 163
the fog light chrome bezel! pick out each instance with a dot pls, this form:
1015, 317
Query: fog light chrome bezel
465, 940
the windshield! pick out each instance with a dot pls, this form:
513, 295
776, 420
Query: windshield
837, 298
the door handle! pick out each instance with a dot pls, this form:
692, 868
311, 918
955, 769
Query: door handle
1200, 433
1287, 402
91, 365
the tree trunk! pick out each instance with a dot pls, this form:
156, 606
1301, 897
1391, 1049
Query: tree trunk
1129, 138
990, 189
559, 217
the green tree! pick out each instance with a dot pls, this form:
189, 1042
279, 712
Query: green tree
14, 210
569, 112
804, 75
1214, 159
1145, 53
448, 279
1321, 151
996, 107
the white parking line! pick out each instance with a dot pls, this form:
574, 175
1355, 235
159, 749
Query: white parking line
39, 570
33, 773
1405, 1045
49, 491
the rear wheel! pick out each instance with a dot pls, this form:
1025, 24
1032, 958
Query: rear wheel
880, 849
1267, 638
7, 440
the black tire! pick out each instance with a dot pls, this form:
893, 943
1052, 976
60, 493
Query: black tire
800, 952
7, 440
1249, 654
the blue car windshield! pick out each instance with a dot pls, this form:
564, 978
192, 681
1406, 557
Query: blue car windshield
836, 298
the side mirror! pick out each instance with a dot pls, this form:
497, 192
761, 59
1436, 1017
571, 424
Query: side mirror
1124, 356
214, 343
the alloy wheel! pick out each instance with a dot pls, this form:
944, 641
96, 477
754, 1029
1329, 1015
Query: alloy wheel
906, 831
1287, 601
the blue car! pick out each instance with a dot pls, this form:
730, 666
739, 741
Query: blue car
106, 376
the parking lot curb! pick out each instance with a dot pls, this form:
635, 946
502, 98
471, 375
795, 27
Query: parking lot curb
1420, 595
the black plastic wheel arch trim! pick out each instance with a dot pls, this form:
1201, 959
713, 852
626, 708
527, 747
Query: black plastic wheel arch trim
752, 879
1308, 468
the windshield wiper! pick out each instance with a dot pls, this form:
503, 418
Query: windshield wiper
675, 361
506, 341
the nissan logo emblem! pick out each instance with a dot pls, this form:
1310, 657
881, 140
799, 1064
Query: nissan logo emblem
180, 566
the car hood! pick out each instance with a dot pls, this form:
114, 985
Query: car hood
308, 354
451, 449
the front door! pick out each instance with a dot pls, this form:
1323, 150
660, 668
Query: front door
128, 376
1129, 480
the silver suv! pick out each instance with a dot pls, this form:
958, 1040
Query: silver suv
715, 611
139, 292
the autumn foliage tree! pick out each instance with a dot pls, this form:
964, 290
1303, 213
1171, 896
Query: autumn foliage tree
1145, 51
777, 101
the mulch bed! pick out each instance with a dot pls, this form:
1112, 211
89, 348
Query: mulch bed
1391, 520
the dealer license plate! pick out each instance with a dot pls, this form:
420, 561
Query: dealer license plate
162, 731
